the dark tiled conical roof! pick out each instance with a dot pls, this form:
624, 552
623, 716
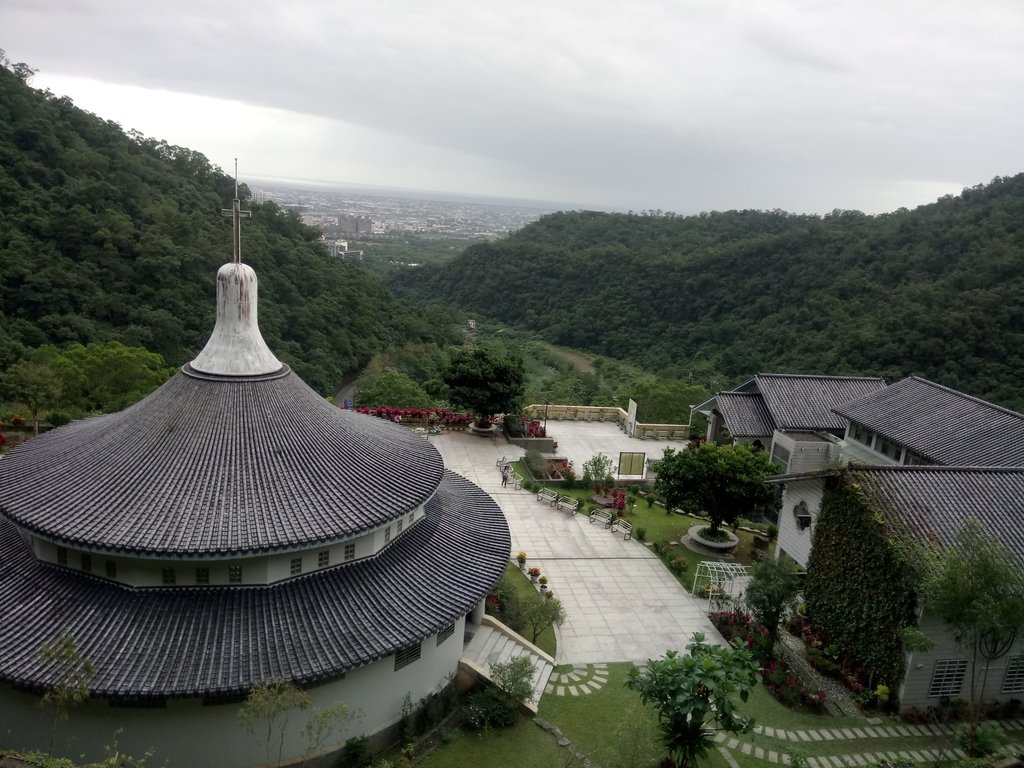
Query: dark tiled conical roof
206, 465
179, 642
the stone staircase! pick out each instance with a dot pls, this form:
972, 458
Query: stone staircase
494, 643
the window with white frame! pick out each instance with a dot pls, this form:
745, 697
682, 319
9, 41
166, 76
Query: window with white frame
295, 567
350, 551
168, 576
407, 656
202, 574
387, 535
1014, 680
234, 574
323, 558
948, 677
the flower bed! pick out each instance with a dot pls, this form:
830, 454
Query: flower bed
425, 416
736, 625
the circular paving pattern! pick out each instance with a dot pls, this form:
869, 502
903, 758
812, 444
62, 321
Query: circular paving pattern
581, 679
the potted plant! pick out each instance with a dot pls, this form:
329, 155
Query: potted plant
543, 583
535, 575
521, 559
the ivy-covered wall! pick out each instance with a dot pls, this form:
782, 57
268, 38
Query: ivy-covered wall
859, 592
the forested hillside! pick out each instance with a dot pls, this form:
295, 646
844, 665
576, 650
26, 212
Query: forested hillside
937, 291
111, 237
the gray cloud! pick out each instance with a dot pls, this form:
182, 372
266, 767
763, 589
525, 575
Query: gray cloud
684, 105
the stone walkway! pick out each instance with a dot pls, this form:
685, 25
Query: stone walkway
875, 751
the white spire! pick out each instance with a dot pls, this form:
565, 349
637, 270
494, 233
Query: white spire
236, 346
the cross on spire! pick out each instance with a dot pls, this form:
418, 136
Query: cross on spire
237, 214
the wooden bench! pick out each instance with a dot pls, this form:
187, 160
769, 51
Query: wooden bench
624, 527
603, 515
500, 463
546, 494
566, 502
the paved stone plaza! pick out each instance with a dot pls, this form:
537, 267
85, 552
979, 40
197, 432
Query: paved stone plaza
621, 603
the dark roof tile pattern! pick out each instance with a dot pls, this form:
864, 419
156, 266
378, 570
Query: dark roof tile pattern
745, 413
940, 424
219, 641
807, 402
213, 466
934, 502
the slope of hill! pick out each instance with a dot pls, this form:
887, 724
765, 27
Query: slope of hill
937, 291
110, 237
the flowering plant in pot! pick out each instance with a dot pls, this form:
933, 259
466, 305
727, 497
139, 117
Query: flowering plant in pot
521, 558
535, 574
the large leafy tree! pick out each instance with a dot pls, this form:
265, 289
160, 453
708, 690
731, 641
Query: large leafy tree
724, 482
976, 587
391, 387
34, 384
696, 694
485, 382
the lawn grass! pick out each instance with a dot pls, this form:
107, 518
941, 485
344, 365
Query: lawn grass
520, 582
524, 745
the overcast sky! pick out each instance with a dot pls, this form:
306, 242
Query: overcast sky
682, 105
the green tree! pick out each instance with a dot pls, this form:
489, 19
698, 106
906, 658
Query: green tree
976, 587
541, 612
269, 708
773, 586
497, 705
73, 673
36, 385
267, 711
108, 377
394, 388
485, 382
696, 694
724, 482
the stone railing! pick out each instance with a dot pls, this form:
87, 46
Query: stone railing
607, 413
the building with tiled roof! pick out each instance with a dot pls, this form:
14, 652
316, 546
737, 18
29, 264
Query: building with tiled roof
916, 421
932, 504
234, 528
783, 401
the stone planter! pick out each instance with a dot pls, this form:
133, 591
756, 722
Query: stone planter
728, 545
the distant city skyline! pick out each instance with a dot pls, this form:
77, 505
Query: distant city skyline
683, 106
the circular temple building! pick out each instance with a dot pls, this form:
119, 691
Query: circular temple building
233, 528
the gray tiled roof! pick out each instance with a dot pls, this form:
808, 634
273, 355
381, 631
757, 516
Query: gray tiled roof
745, 413
936, 501
940, 424
212, 466
807, 402
220, 640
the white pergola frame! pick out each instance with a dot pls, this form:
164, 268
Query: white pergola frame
722, 578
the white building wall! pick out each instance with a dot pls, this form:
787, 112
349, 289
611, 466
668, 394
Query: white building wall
795, 542
921, 667
186, 733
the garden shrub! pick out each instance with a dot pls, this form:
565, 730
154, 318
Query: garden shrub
641, 534
355, 754
536, 464
497, 705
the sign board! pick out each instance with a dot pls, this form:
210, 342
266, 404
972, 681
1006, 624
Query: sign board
631, 417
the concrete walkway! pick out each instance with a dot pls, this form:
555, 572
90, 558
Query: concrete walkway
621, 603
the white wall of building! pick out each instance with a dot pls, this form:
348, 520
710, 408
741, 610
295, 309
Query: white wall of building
923, 665
792, 540
186, 733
